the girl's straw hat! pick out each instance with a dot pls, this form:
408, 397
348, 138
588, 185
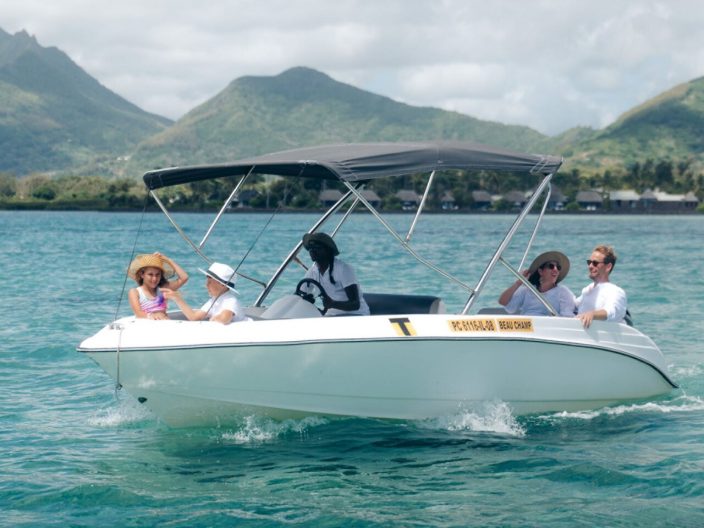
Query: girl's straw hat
150, 261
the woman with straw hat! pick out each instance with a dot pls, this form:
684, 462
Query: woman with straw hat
152, 272
545, 273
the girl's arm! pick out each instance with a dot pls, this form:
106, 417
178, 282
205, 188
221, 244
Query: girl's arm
190, 313
180, 273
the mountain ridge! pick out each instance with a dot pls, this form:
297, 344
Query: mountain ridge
55, 117
301, 107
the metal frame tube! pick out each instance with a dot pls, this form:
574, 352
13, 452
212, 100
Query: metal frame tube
178, 228
191, 243
403, 243
504, 244
420, 207
530, 286
292, 255
224, 207
537, 225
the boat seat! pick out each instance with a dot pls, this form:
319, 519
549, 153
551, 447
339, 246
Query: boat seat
393, 304
491, 310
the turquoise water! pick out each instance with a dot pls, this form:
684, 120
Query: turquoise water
76, 453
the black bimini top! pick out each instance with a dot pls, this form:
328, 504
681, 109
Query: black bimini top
365, 161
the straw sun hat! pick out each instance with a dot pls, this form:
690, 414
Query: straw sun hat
552, 256
150, 261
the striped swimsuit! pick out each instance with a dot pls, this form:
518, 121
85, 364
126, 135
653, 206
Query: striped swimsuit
151, 305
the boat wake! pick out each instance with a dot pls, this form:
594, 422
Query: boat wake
258, 429
126, 412
685, 372
680, 404
487, 417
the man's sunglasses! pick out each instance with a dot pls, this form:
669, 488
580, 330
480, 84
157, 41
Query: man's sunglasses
594, 263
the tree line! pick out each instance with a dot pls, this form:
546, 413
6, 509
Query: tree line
39, 191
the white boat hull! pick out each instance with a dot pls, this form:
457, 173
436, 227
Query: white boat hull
201, 373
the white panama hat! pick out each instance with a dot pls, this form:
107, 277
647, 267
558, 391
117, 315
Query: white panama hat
222, 273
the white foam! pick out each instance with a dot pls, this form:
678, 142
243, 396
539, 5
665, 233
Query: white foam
493, 417
677, 405
124, 411
681, 372
257, 429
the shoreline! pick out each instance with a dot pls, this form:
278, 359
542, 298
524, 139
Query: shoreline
246, 210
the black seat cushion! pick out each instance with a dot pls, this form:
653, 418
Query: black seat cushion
393, 304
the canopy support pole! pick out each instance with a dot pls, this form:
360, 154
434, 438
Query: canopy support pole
292, 255
504, 244
530, 286
190, 242
224, 207
537, 225
403, 243
420, 207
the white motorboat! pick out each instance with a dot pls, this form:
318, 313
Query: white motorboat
409, 359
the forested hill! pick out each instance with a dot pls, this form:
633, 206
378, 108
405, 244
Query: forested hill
301, 107
669, 126
54, 116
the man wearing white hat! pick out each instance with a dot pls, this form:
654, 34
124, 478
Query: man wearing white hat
223, 306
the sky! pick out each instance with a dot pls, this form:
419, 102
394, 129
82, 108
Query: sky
547, 64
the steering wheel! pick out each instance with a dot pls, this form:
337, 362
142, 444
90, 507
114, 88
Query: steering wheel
310, 297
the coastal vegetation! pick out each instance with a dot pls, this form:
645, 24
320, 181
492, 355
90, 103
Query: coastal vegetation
67, 142
39, 191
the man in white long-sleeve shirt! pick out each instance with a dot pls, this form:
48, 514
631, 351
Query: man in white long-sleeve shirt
601, 299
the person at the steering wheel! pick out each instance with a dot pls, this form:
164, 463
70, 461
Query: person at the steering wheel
342, 295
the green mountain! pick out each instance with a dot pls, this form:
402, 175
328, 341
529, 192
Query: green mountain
54, 116
302, 107
668, 126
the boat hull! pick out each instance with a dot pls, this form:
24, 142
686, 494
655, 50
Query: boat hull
405, 367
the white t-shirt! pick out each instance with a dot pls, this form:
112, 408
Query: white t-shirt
525, 302
344, 276
226, 301
604, 295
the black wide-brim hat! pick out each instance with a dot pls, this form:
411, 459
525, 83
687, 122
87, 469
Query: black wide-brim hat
323, 239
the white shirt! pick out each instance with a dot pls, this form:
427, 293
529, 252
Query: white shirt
606, 296
226, 301
525, 302
344, 276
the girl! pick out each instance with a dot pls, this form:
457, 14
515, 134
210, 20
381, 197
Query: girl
151, 273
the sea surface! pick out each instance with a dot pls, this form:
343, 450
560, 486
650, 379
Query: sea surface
76, 452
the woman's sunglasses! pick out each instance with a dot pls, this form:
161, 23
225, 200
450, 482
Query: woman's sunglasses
552, 266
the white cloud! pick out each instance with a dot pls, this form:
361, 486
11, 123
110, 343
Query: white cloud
548, 64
